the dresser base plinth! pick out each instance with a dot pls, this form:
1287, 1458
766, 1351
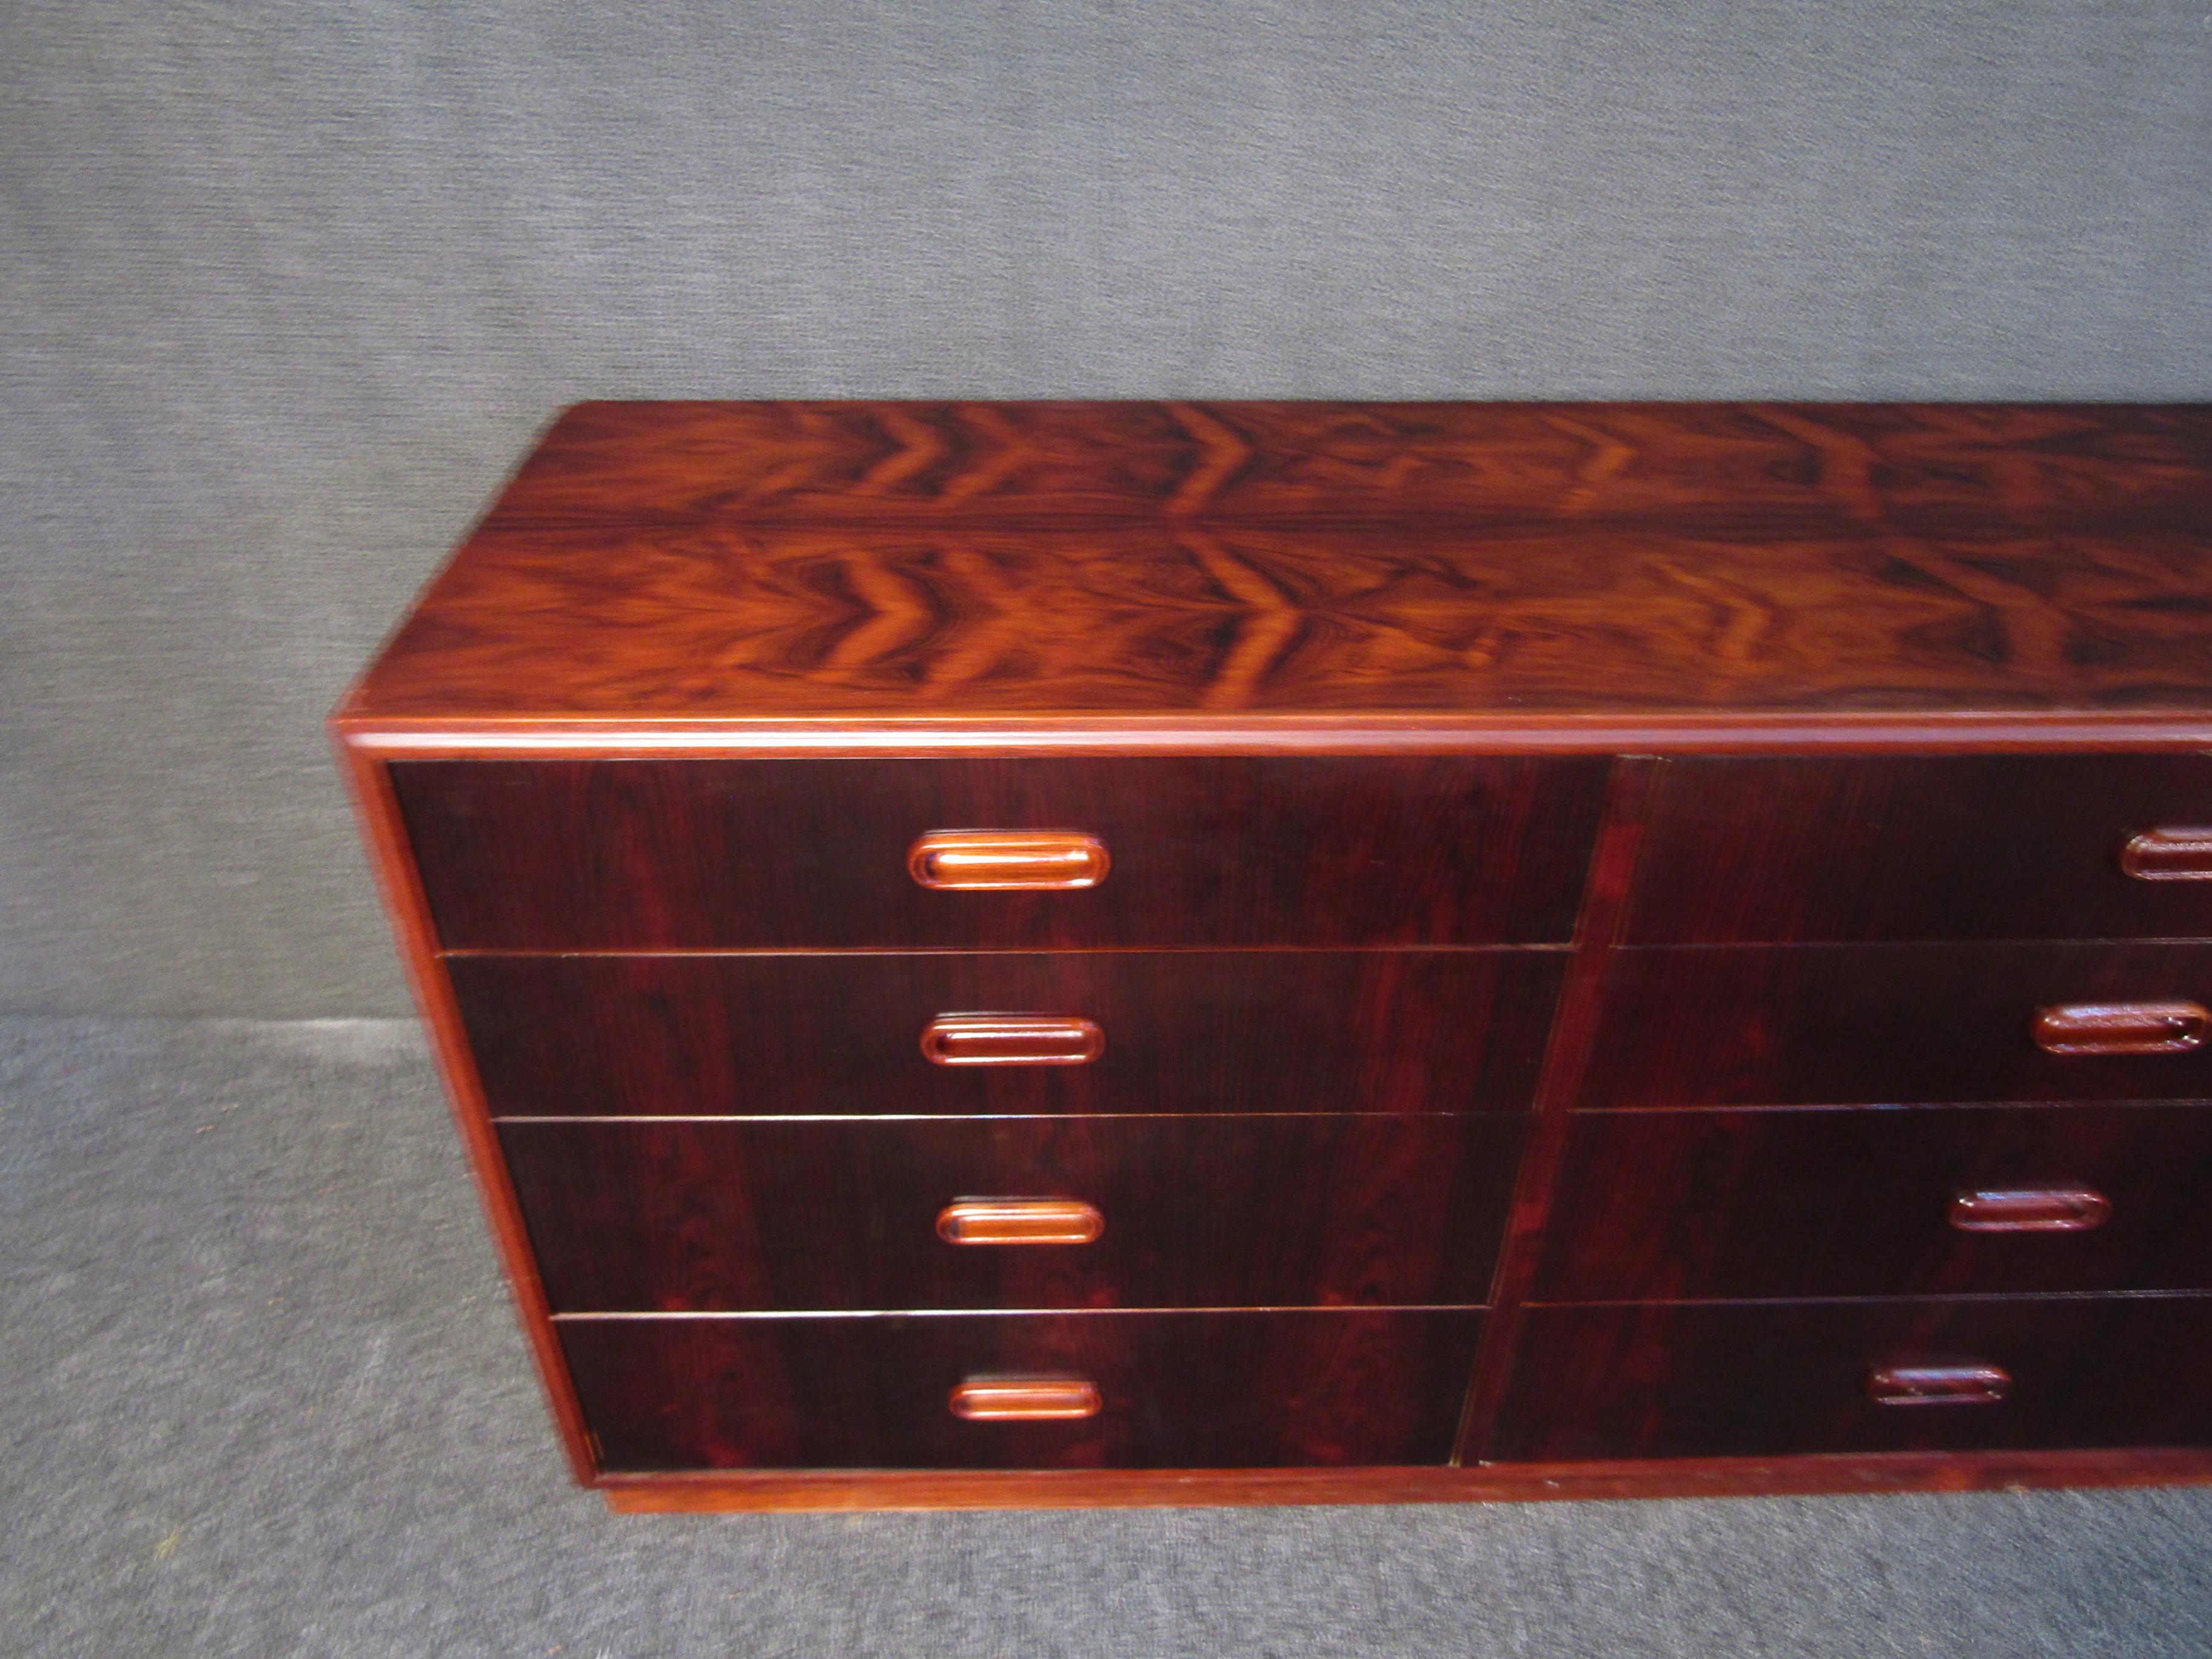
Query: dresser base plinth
1701, 1477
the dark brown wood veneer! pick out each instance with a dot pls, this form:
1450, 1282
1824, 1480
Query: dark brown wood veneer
836, 1032
1656, 1207
650, 854
1987, 846
1689, 1380
1448, 950
1278, 1389
1888, 1024
1198, 1212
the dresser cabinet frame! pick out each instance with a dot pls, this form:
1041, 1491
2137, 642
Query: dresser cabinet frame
1639, 748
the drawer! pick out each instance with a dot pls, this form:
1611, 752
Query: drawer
1083, 1031
1845, 1024
703, 854
1956, 847
1766, 1380
1191, 1211
1653, 1206
1171, 1390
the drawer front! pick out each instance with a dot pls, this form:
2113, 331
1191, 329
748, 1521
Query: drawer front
1663, 1206
703, 854
1842, 1025
1958, 847
1176, 1031
1769, 1380
1171, 1390
1193, 1212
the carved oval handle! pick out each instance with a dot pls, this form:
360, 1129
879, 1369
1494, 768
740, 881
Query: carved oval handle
2031, 1208
1015, 1399
1019, 1221
2178, 854
2050, 1209
1008, 861
1011, 1040
1938, 1385
2120, 1028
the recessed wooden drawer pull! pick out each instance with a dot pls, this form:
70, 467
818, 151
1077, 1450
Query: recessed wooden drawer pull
2120, 1028
1938, 1385
2030, 1210
1011, 1040
2169, 856
1033, 1399
1003, 860
1019, 1221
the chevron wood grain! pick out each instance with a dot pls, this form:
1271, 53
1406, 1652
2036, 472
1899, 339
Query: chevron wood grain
1786, 466
787, 563
1714, 799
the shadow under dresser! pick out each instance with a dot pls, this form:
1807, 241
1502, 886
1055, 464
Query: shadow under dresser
1002, 954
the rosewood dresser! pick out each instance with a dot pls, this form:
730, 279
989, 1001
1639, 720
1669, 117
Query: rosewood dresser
1068, 953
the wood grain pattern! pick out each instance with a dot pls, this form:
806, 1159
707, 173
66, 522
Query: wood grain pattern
1574, 1037
1184, 1031
1930, 465
949, 626
1990, 847
1229, 1390
1337, 689
698, 854
1708, 1477
1665, 1206
1231, 1212
369, 783
925, 567
1756, 1025
1695, 1380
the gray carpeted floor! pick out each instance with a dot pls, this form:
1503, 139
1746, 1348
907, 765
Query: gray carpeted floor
263, 1395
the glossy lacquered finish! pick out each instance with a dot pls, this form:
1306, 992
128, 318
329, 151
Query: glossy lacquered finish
647, 855
1001, 953
2168, 854
1014, 1223
1965, 1384
1177, 1390
2045, 1206
1665, 1205
1580, 570
2074, 1029
1180, 1031
1737, 1379
1196, 1212
1025, 1399
1926, 468
1011, 1040
1008, 860
1960, 847
1901, 1025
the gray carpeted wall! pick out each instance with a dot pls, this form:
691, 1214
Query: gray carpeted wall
285, 289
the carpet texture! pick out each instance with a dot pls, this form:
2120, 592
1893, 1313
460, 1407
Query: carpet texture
285, 288
264, 1395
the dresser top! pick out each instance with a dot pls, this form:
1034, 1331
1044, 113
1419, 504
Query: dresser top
1144, 574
